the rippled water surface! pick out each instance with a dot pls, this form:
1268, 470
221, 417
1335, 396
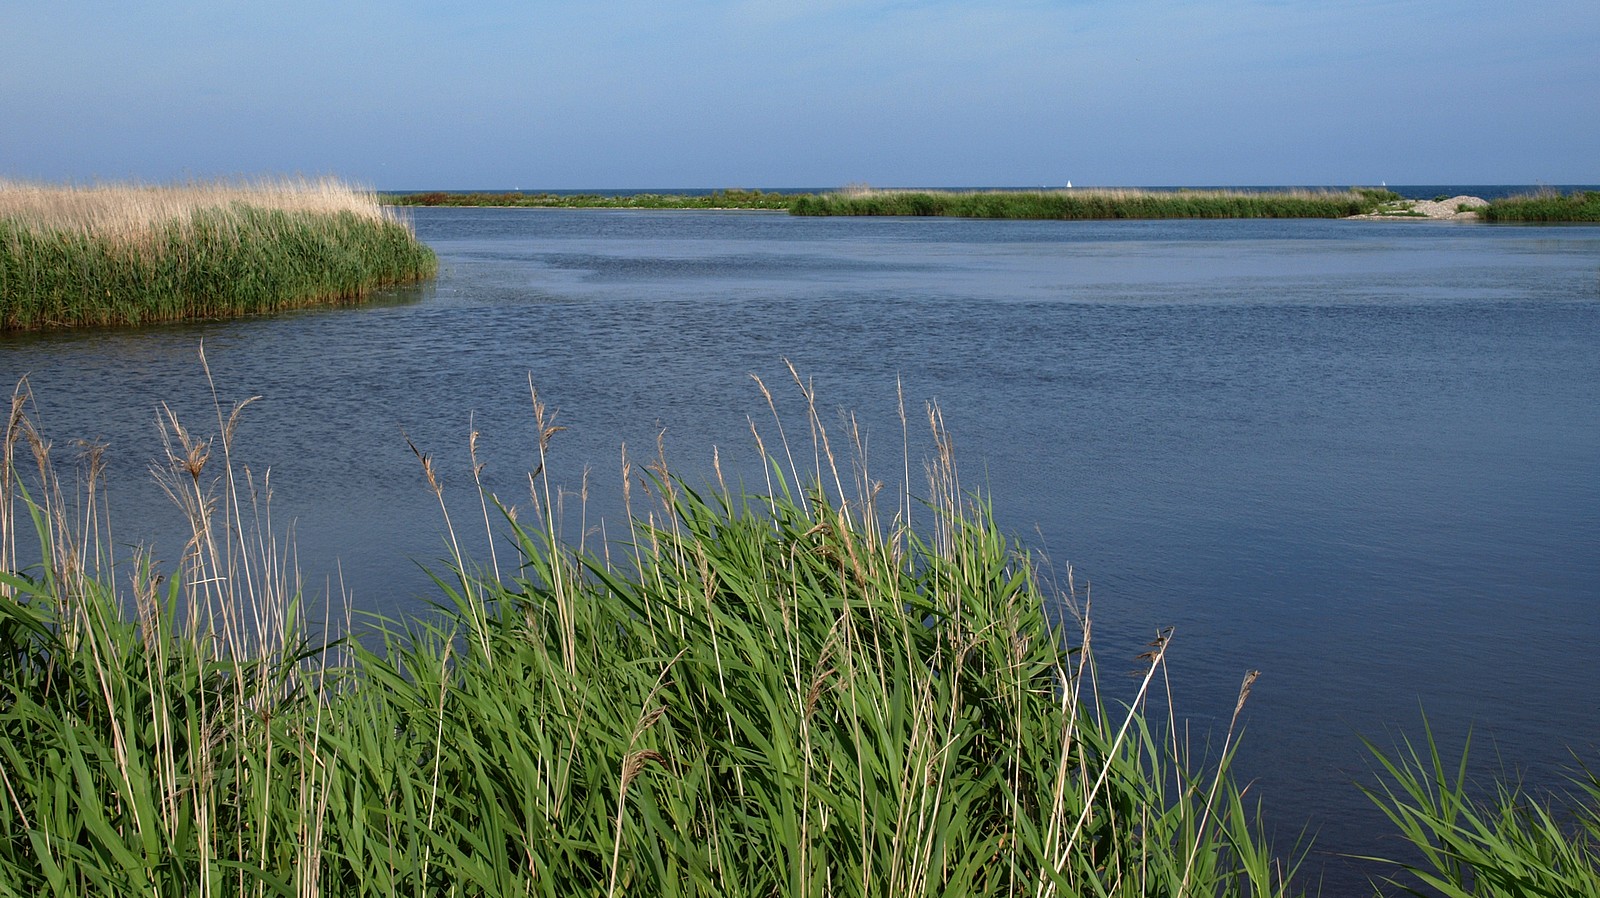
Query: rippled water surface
1363, 457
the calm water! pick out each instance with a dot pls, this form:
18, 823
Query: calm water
1363, 457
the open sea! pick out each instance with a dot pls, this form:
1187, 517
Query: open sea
1362, 457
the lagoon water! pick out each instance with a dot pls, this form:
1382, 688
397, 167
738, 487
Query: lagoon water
1362, 457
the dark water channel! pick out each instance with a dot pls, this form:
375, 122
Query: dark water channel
1363, 457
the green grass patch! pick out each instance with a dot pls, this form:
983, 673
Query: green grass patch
1545, 206
1096, 204
1377, 195
73, 257
720, 199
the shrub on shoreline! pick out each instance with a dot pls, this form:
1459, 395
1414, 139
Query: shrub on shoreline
129, 254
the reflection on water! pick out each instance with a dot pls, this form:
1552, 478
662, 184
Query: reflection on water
1363, 457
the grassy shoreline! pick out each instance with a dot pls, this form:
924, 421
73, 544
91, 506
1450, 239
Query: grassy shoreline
1080, 204
718, 199
134, 254
1096, 204
1040, 204
1545, 206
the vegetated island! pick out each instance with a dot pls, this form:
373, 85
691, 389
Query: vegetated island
1070, 204
126, 254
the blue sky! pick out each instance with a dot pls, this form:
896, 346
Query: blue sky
622, 94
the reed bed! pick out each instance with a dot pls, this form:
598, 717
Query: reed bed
127, 254
1545, 206
1096, 203
799, 692
718, 199
795, 693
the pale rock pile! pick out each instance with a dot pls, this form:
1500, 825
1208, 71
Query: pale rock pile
1456, 208
1449, 208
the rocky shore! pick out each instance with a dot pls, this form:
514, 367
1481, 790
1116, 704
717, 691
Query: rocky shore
1456, 208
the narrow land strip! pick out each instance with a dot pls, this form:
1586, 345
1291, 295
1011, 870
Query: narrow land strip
1080, 204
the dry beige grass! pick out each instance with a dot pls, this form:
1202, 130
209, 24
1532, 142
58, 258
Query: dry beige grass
127, 212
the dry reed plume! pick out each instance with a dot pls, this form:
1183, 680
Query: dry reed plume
129, 212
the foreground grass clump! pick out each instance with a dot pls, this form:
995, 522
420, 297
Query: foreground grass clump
789, 694
1545, 206
133, 254
1095, 204
718, 199
1512, 845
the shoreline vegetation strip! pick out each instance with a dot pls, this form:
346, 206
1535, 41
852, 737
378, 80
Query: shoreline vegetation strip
718, 199
128, 254
1094, 204
804, 692
1545, 206
1067, 204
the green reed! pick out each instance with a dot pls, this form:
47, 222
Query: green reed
1510, 845
154, 725
1545, 206
210, 262
824, 689
1095, 204
793, 693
